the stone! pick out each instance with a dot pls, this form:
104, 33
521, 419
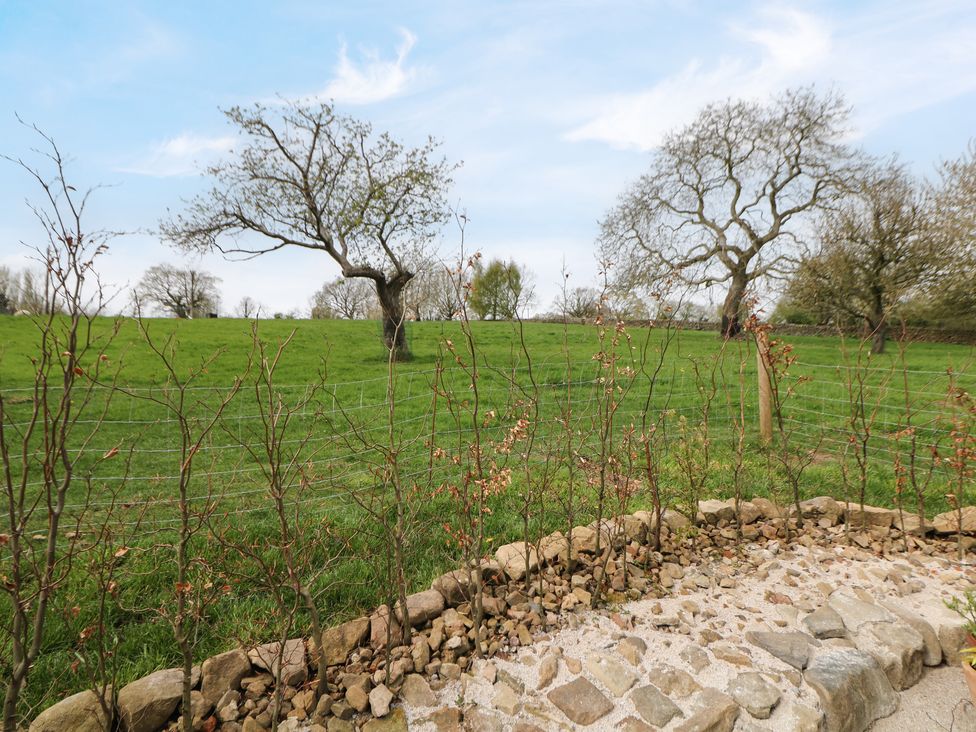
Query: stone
584, 540
767, 508
512, 559
633, 724
713, 511
672, 681
422, 607
853, 690
825, 622
611, 674
342, 640
455, 587
380, 628
949, 626
580, 701
396, 721
695, 657
654, 706
80, 712
357, 698
290, 659
505, 699
756, 695
897, 648
477, 719
416, 691
146, 704
855, 612
869, 517
675, 520
822, 507
553, 547
335, 725
948, 523
791, 647
933, 648
447, 719
548, 670
714, 712
633, 649
222, 673
380, 698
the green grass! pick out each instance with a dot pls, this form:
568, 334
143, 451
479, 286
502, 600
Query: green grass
350, 357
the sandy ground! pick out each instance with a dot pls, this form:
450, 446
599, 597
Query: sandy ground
804, 575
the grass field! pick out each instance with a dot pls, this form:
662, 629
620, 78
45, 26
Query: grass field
350, 360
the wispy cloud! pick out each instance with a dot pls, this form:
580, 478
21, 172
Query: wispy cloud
372, 78
183, 155
887, 63
790, 43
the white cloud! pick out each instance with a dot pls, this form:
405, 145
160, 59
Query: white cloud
887, 63
183, 155
789, 43
372, 79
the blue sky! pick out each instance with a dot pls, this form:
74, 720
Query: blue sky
551, 106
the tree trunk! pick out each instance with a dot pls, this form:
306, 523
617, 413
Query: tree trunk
390, 295
878, 325
731, 308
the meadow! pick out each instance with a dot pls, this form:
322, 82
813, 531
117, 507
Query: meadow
344, 433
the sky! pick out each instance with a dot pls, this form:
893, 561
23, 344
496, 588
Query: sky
551, 108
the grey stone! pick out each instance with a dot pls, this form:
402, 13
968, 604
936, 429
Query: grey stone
548, 669
654, 706
713, 511
897, 648
416, 691
422, 607
610, 673
714, 712
822, 507
672, 681
580, 701
633, 649
855, 612
80, 712
481, 720
948, 522
752, 691
146, 704
791, 647
853, 690
825, 622
223, 673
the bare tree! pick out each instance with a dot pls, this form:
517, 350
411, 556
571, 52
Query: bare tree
725, 194
248, 308
307, 177
578, 302
432, 295
343, 298
45, 443
183, 292
875, 249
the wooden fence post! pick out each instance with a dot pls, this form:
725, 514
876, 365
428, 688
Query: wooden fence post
765, 388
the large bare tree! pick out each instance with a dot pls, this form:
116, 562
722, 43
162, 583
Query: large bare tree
724, 195
348, 299
305, 176
875, 249
181, 291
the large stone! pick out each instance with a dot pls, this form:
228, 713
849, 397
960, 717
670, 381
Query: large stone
948, 523
477, 719
749, 513
342, 640
713, 712
610, 673
825, 622
767, 508
933, 649
672, 681
675, 520
146, 704
855, 612
584, 540
290, 659
416, 691
380, 698
422, 607
654, 706
869, 517
553, 547
897, 648
223, 673
853, 690
506, 699
949, 626
396, 721
380, 630
713, 511
512, 559
752, 691
822, 507
455, 587
580, 701
81, 712
792, 647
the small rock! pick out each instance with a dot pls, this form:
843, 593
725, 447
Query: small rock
825, 622
379, 701
580, 701
416, 691
654, 706
791, 647
505, 699
755, 694
714, 712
